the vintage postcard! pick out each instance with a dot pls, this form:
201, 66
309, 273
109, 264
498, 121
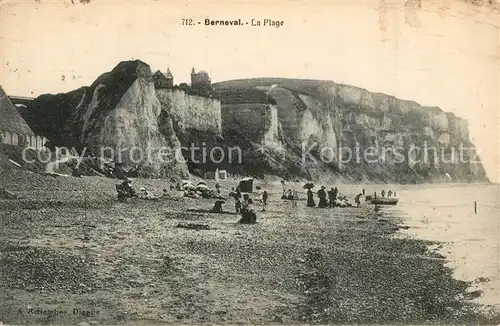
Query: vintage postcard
285, 162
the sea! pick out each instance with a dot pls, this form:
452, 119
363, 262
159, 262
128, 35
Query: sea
466, 219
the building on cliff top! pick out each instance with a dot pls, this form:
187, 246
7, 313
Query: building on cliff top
163, 80
200, 80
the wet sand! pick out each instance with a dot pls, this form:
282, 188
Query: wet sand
297, 265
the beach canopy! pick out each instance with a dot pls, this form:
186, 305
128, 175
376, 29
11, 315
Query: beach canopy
246, 185
309, 185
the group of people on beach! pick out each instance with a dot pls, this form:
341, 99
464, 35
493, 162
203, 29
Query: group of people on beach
390, 193
244, 205
126, 190
330, 198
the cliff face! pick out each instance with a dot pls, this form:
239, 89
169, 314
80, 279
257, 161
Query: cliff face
118, 117
120, 113
191, 111
359, 135
286, 127
259, 121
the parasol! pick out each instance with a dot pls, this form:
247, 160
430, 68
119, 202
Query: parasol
188, 186
309, 185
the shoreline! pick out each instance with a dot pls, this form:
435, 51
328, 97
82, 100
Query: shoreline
467, 238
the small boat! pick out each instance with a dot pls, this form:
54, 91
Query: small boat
382, 200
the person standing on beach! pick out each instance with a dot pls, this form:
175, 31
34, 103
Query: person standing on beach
283, 188
322, 198
265, 196
310, 198
331, 198
357, 199
382, 193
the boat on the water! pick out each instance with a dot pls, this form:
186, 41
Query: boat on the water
381, 200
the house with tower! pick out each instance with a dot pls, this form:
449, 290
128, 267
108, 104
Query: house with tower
200, 80
163, 80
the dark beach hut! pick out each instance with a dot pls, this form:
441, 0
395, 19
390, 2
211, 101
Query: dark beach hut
246, 185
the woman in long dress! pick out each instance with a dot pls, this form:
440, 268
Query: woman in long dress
310, 198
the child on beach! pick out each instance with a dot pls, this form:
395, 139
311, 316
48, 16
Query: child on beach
265, 196
237, 205
295, 197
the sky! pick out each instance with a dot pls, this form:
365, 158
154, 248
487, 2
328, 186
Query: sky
443, 53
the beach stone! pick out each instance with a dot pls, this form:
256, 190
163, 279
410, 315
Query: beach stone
83, 323
277, 319
6, 194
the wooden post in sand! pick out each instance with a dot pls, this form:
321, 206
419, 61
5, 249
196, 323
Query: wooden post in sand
85, 208
85, 227
475, 207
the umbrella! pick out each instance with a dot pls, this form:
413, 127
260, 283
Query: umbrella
201, 183
309, 185
202, 187
188, 186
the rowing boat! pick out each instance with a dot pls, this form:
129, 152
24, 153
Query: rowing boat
381, 200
